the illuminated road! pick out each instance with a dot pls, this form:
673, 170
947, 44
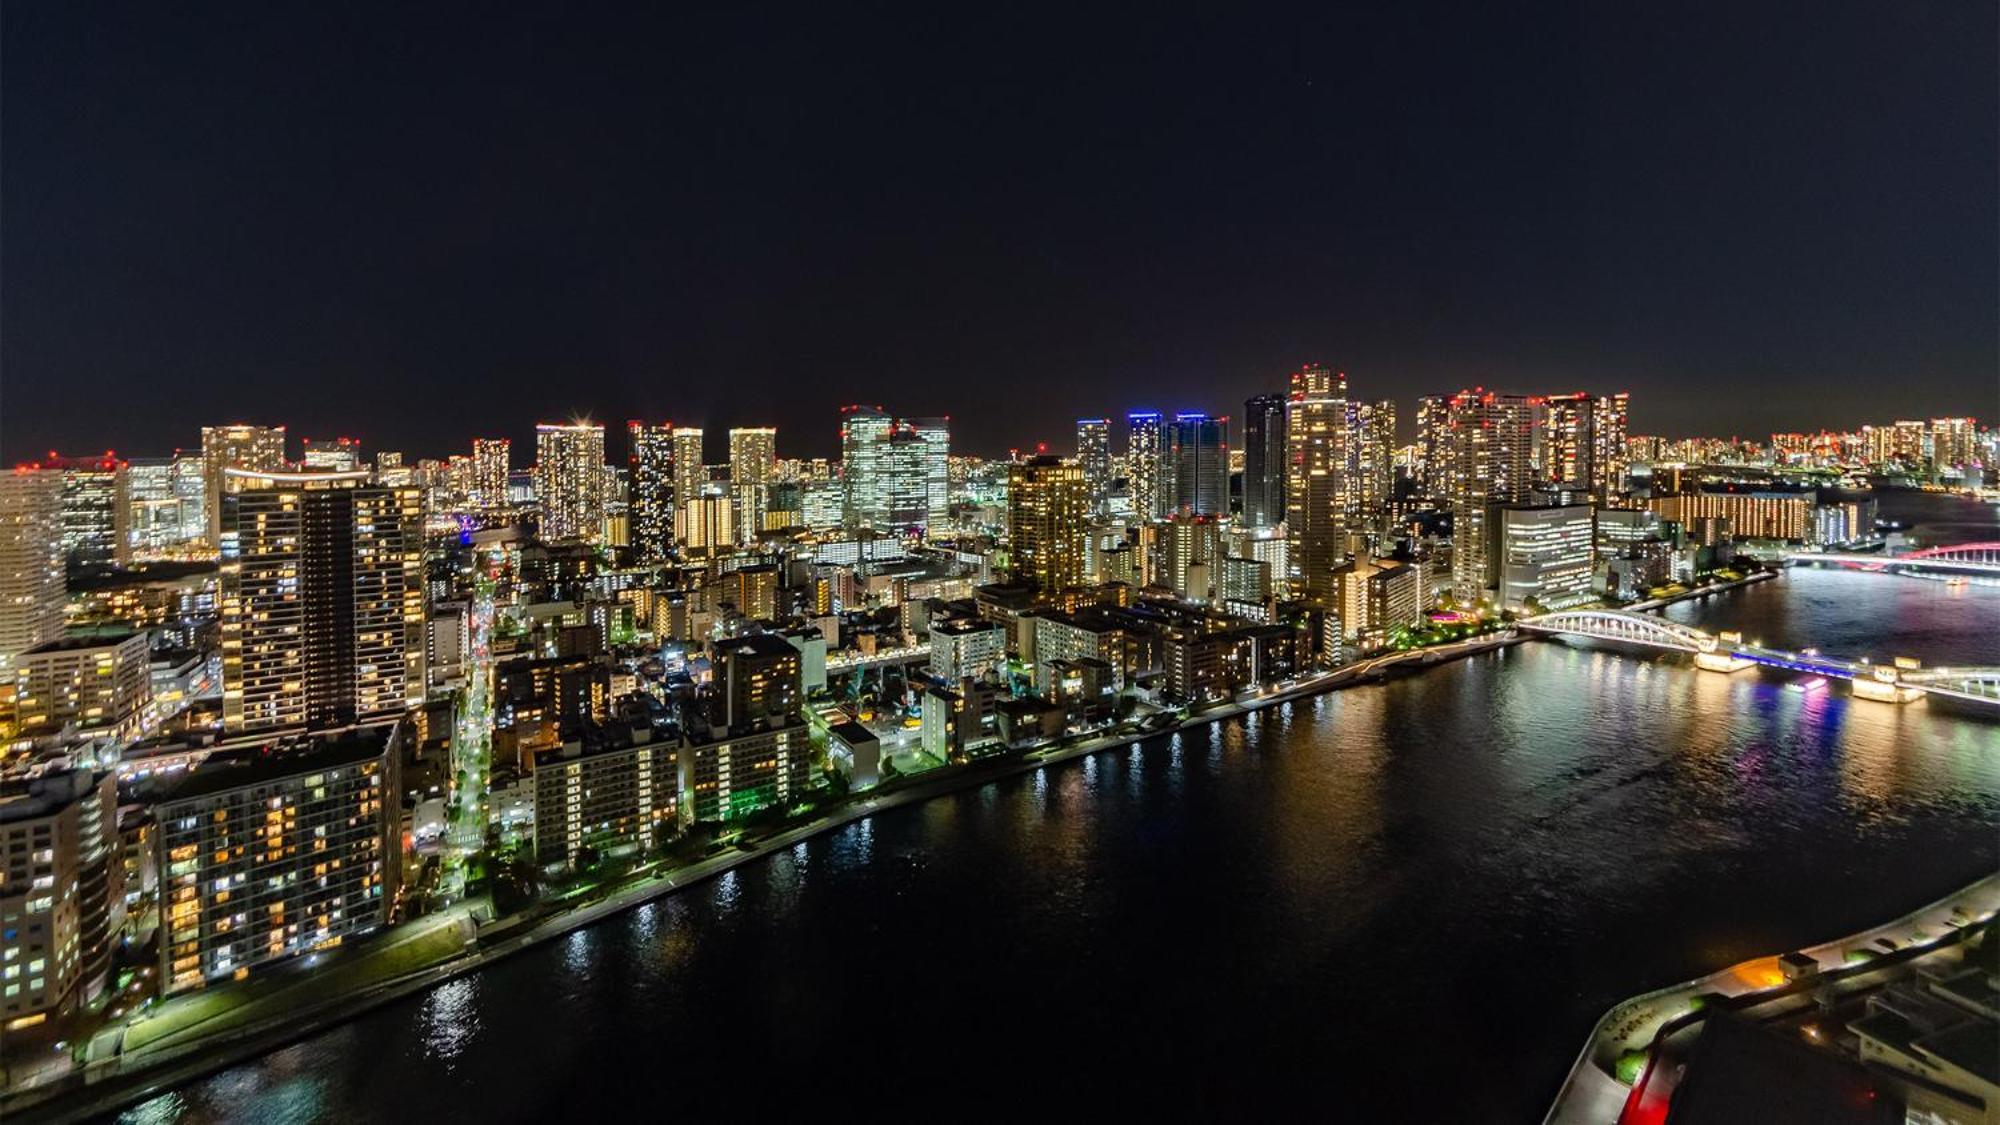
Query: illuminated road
472, 753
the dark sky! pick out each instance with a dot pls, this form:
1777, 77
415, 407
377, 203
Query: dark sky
418, 223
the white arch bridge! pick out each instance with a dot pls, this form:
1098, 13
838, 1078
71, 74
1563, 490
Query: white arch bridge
1874, 681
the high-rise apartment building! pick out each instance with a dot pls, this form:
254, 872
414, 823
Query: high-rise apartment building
89, 686
62, 893
1583, 442
492, 461
690, 469
654, 499
267, 854
1093, 454
1433, 446
1373, 460
258, 449
1048, 504
1316, 486
322, 601
1145, 456
1491, 440
1198, 465
31, 560
570, 481
1609, 462
753, 463
1264, 461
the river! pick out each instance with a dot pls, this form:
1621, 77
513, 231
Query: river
1410, 901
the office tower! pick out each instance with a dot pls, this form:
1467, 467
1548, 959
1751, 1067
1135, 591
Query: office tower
259, 449
492, 460
1048, 503
1608, 460
96, 508
1145, 450
31, 560
1374, 461
1433, 446
1316, 485
62, 893
753, 461
1491, 440
569, 481
1197, 461
902, 464
1545, 555
331, 455
1093, 453
1264, 461
154, 516
322, 601
864, 431
265, 855
935, 433
88, 687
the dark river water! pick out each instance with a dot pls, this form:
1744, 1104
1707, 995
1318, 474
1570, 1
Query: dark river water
1407, 902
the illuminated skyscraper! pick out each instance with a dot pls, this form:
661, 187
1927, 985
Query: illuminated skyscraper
1608, 459
650, 463
1374, 461
570, 481
331, 455
1569, 444
1491, 438
259, 449
1093, 453
1433, 446
492, 460
96, 508
1048, 504
753, 460
31, 560
1264, 461
322, 601
690, 468
935, 433
1198, 463
1316, 485
1145, 450
864, 431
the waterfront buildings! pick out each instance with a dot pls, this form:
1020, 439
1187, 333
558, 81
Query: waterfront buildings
614, 792
1377, 597
570, 481
1489, 440
966, 649
266, 852
1751, 513
31, 560
1048, 502
1545, 554
62, 893
1316, 486
322, 611
1263, 461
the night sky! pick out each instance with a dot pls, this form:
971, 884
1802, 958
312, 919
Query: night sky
415, 226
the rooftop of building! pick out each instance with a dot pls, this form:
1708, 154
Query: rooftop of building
755, 644
238, 768
1743, 1073
961, 626
81, 643
33, 797
852, 733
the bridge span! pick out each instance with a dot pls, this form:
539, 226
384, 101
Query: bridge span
1969, 560
1890, 683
